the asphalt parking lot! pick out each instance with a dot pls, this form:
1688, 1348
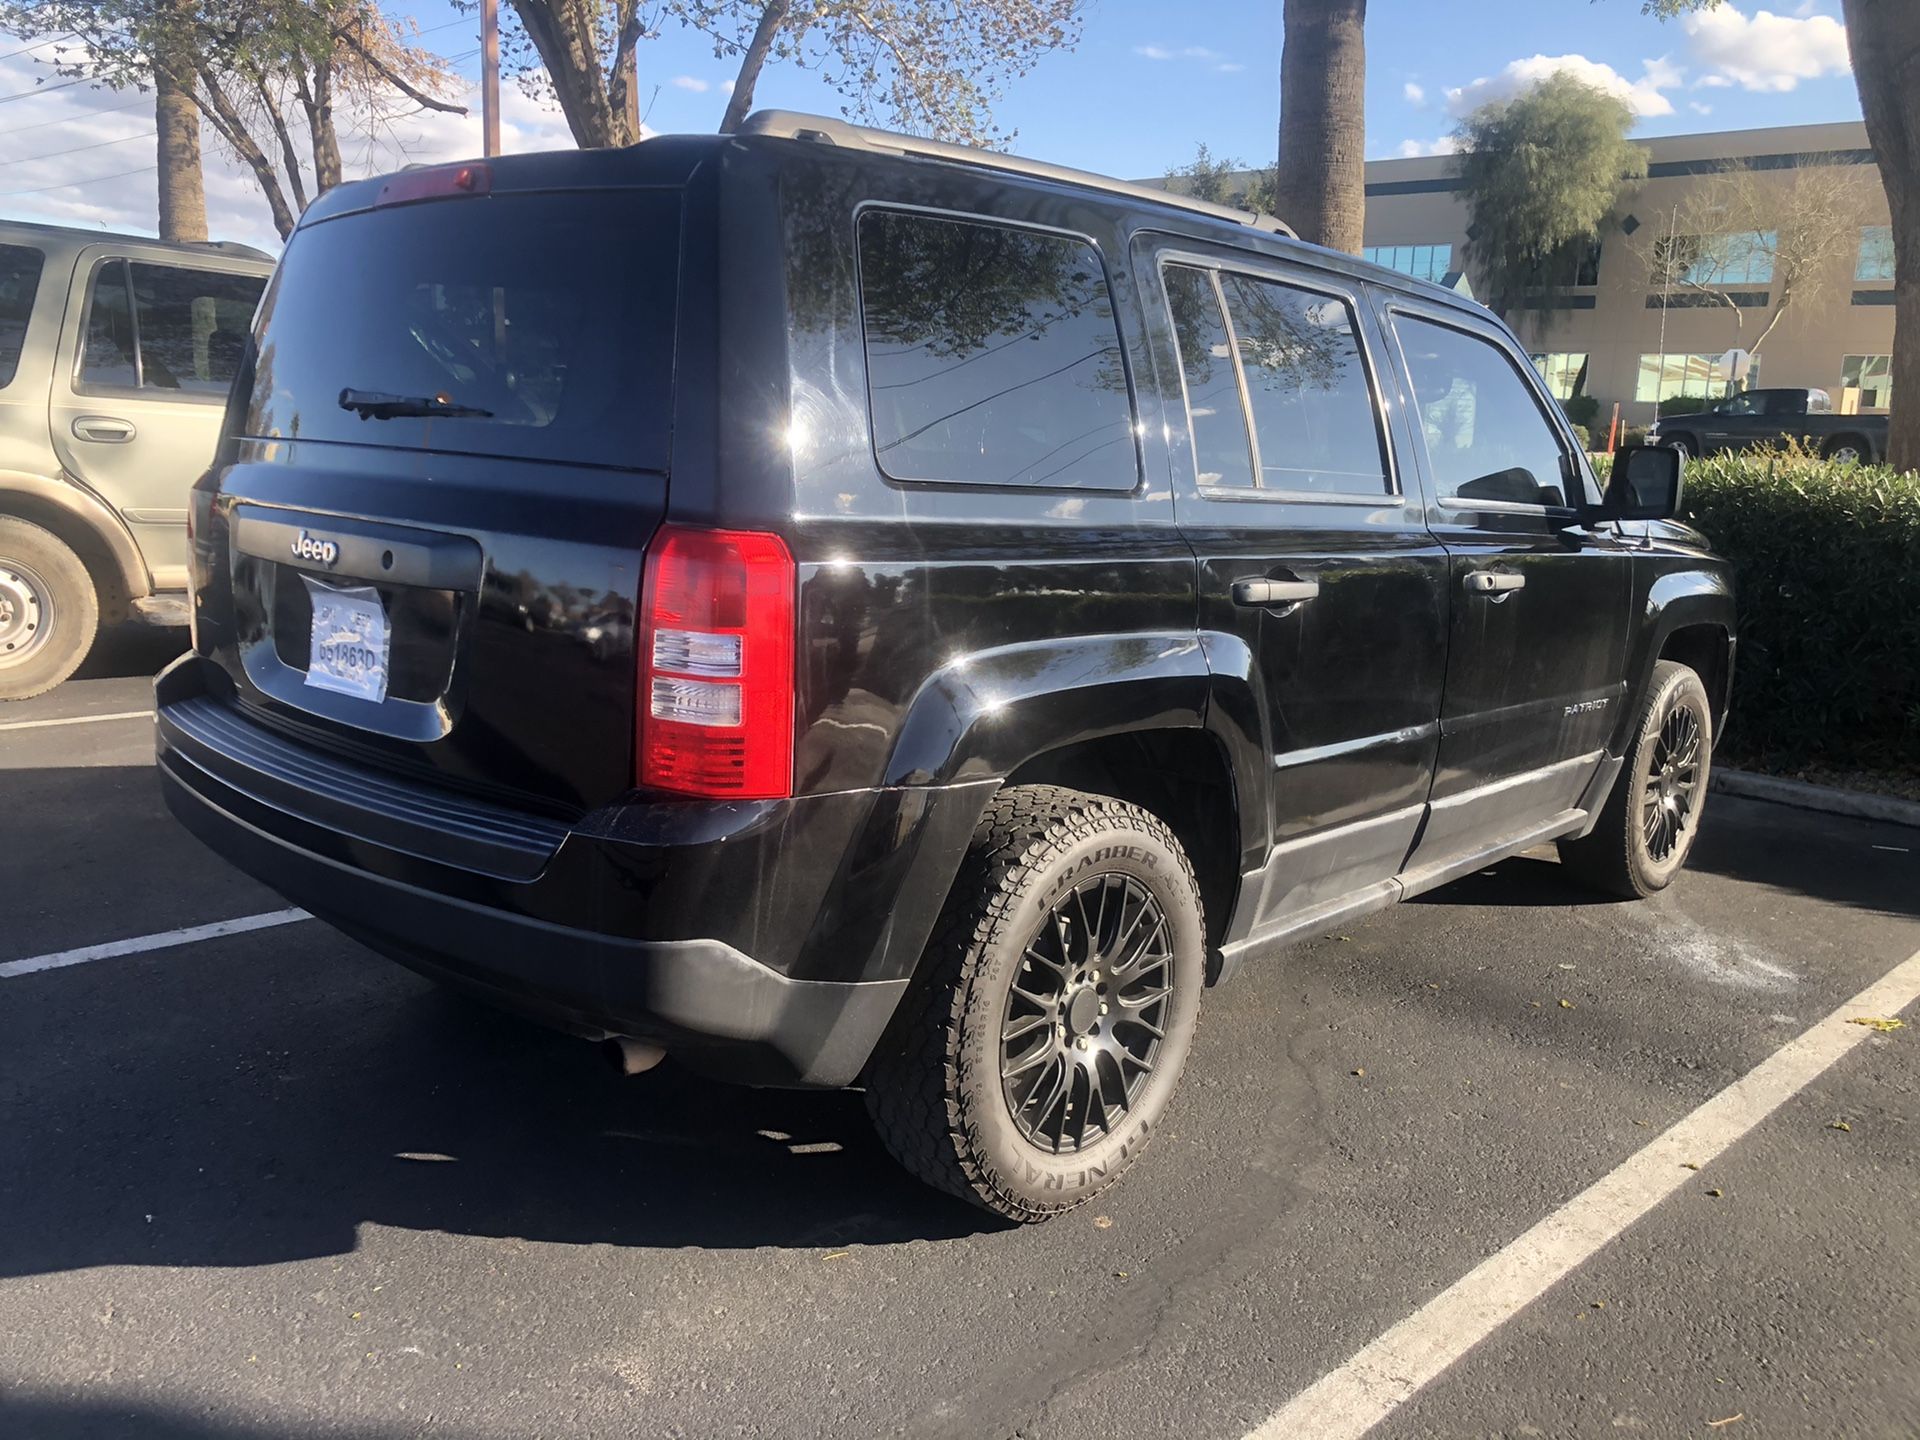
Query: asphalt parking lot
268, 1185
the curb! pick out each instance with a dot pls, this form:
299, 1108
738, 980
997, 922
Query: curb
1824, 798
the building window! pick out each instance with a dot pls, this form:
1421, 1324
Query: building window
1565, 373
1422, 262
1693, 377
1871, 375
1876, 253
1743, 258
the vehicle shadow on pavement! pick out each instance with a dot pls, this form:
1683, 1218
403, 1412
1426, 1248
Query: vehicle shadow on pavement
131, 648
46, 1416
223, 1140
1858, 863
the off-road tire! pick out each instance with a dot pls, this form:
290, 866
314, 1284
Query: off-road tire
1615, 856
935, 1091
50, 609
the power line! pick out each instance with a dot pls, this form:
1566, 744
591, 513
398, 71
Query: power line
43, 90
68, 119
74, 184
76, 149
29, 49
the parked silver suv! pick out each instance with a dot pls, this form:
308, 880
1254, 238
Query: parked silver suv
115, 357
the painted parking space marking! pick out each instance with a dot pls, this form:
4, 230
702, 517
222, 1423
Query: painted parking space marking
1346, 1403
140, 944
75, 720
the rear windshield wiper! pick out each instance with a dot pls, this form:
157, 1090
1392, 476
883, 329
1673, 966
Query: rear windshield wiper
379, 405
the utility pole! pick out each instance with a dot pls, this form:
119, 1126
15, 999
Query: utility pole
490, 77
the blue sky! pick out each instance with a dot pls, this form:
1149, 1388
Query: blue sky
1148, 82
1114, 104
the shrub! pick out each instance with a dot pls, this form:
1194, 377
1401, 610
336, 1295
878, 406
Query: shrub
1580, 433
1582, 410
1827, 570
1684, 405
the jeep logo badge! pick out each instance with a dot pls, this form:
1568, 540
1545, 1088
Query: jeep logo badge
306, 547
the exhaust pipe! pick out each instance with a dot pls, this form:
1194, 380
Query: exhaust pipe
630, 1056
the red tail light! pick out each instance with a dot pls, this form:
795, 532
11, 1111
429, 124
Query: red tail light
716, 665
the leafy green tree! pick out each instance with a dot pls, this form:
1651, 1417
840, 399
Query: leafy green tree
933, 67
1883, 39
267, 76
1225, 182
1541, 174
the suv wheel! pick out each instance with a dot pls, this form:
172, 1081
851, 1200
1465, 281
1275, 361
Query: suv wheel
48, 611
1649, 822
1056, 1008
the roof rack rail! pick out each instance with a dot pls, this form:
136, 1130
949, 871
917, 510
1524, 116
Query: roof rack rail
796, 125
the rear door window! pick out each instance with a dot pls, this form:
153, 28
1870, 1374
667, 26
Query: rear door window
1216, 415
1315, 429
20, 267
993, 356
166, 328
553, 313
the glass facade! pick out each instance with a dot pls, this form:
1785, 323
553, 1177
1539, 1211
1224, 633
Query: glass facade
1701, 377
1745, 258
1423, 262
1564, 371
1871, 375
1876, 253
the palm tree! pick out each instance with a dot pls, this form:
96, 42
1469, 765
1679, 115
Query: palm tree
1323, 126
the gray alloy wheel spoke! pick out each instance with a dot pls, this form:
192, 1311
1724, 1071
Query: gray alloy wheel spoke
1075, 1049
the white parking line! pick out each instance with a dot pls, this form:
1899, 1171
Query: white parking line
192, 935
1348, 1402
75, 720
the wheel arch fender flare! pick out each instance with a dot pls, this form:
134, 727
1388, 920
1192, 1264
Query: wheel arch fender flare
1682, 599
83, 521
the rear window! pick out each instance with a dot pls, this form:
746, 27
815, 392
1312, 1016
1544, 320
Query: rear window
993, 357
552, 312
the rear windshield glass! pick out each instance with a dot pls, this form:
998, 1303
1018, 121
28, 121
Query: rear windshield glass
553, 313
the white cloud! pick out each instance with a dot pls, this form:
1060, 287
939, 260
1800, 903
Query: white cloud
1231, 67
691, 82
1766, 51
1413, 149
1642, 94
1714, 82
1697, 108
1415, 94
1188, 52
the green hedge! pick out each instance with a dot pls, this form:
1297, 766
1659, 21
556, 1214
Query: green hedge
1827, 565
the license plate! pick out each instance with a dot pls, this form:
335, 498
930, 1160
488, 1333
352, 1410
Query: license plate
348, 654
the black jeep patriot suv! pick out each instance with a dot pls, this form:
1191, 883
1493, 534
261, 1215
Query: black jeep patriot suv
845, 610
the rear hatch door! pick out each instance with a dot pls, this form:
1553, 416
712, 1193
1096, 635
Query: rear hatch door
424, 544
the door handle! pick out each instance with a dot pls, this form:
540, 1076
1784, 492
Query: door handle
1493, 582
103, 429
1274, 592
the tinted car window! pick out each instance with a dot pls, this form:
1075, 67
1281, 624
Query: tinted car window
1222, 451
1487, 437
1313, 415
192, 326
552, 312
993, 356
108, 359
20, 267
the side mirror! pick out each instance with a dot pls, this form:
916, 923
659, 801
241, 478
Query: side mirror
1645, 484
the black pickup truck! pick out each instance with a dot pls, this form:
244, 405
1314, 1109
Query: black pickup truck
1766, 417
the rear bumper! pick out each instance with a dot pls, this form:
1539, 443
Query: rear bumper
575, 925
